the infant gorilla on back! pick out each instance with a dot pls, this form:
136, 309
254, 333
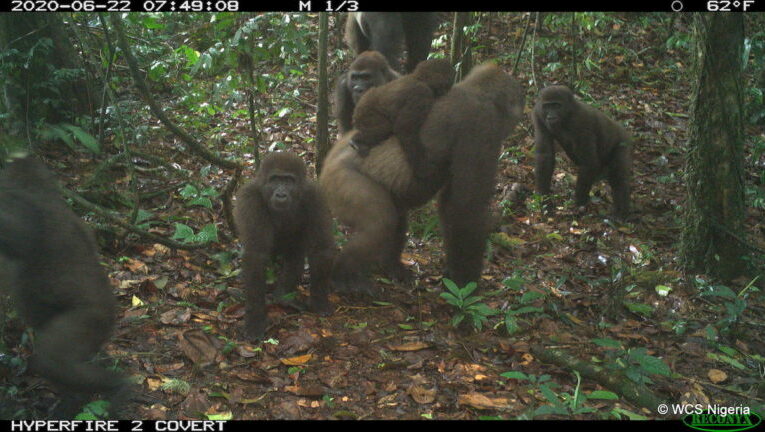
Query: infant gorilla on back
400, 108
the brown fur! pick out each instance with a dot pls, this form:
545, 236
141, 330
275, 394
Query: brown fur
301, 227
387, 32
463, 135
598, 146
399, 108
57, 284
369, 69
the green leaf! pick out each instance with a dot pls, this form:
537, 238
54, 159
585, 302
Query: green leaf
515, 375
86, 139
468, 289
551, 397
639, 308
457, 319
452, 300
200, 201
189, 191
531, 296
629, 414
209, 233
663, 290
655, 365
451, 286
607, 343
728, 350
511, 325
725, 359
182, 232
602, 394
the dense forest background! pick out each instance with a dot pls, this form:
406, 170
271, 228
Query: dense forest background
151, 121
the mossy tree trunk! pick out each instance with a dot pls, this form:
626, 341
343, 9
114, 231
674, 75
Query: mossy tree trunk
714, 167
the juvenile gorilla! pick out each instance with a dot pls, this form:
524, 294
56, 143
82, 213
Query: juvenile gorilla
400, 108
387, 32
57, 284
463, 137
281, 213
597, 145
369, 69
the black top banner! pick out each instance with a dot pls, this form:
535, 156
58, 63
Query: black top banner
378, 6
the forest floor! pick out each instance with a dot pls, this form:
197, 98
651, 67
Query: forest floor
579, 288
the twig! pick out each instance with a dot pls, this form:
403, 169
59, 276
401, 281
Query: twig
523, 44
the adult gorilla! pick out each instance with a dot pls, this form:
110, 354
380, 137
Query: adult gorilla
462, 136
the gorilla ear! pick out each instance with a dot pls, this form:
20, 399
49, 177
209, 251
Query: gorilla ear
390, 74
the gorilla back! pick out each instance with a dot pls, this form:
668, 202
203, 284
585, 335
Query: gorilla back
57, 284
462, 136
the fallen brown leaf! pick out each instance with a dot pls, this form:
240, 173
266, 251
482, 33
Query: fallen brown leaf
479, 401
198, 346
422, 395
717, 376
297, 361
409, 346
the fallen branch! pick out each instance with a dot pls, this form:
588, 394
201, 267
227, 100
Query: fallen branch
119, 222
637, 394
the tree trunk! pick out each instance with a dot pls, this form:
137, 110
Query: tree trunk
43, 47
461, 54
714, 167
322, 114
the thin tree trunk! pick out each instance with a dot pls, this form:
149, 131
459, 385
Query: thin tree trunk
460, 52
322, 114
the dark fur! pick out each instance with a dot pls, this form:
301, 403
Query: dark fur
463, 136
278, 218
400, 108
598, 146
387, 32
370, 69
57, 284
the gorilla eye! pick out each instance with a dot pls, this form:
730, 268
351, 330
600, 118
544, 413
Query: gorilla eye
362, 75
287, 179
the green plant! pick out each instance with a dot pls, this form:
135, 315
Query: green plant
635, 363
95, 410
734, 304
516, 282
571, 404
198, 197
208, 233
467, 305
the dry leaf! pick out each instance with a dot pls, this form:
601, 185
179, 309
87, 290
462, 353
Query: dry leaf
297, 361
153, 384
198, 346
175, 316
717, 376
409, 346
479, 401
308, 390
421, 394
